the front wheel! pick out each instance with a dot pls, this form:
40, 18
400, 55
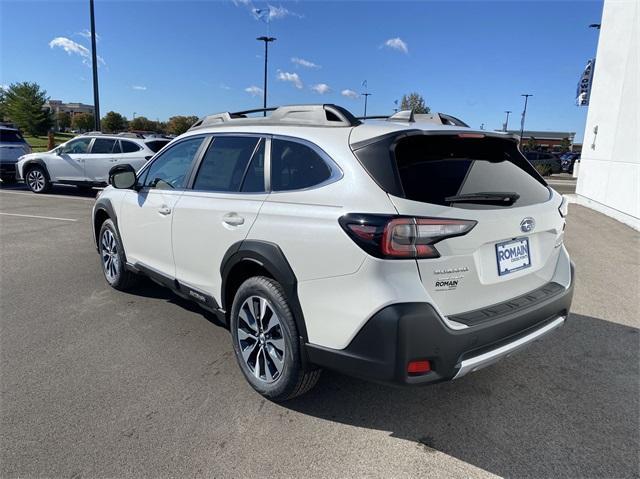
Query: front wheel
265, 341
36, 179
113, 260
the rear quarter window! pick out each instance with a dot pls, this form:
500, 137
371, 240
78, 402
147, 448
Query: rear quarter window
156, 145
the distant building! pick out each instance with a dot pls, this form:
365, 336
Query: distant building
547, 140
57, 106
609, 170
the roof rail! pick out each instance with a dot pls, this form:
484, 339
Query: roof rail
92, 133
128, 134
411, 117
297, 115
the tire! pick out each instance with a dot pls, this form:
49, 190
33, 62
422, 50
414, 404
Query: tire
37, 180
268, 354
112, 258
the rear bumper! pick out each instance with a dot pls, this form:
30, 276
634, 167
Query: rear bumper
406, 332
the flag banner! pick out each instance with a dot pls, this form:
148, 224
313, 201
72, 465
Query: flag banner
584, 85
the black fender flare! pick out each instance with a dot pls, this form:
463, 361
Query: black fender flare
104, 205
270, 257
35, 162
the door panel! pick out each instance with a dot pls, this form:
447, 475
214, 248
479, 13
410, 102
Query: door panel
205, 225
68, 164
145, 226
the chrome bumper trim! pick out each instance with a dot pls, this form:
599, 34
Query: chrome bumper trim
478, 362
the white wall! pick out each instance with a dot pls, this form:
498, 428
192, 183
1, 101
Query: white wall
609, 172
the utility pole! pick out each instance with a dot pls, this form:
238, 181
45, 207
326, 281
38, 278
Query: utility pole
366, 97
524, 113
94, 63
266, 41
506, 122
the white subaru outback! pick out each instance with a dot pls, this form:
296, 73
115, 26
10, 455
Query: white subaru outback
407, 250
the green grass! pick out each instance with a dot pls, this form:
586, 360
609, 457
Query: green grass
40, 143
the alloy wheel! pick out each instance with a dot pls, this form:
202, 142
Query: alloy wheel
110, 258
36, 180
260, 339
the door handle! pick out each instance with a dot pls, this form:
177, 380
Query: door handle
164, 210
233, 219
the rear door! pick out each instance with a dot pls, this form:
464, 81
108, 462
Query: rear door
68, 162
133, 154
513, 248
218, 210
100, 160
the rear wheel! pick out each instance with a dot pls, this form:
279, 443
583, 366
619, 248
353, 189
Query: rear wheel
113, 260
37, 180
265, 341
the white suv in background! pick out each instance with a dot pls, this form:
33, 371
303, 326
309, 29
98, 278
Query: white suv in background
396, 250
85, 160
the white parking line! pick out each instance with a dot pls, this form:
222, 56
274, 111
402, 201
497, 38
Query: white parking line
39, 217
46, 196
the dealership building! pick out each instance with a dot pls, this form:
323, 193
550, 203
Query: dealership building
609, 170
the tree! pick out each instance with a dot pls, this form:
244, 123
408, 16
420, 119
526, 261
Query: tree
565, 144
24, 106
142, 123
114, 122
82, 121
63, 120
414, 101
2, 104
177, 125
531, 144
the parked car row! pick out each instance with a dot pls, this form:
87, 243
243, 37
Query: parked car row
85, 160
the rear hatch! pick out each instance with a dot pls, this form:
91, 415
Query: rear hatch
12, 145
513, 247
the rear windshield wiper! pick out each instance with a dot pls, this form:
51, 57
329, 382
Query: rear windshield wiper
506, 198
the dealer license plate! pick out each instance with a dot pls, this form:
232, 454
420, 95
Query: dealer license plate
513, 256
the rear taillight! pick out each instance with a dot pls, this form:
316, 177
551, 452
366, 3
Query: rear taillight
386, 236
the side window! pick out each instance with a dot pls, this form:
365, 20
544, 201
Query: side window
103, 145
254, 178
116, 147
170, 170
295, 166
129, 146
225, 163
78, 146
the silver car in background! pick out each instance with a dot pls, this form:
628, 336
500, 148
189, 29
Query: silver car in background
12, 147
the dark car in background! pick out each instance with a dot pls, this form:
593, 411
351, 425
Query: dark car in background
543, 159
12, 147
568, 160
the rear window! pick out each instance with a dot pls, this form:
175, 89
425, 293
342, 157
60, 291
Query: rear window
11, 136
443, 169
156, 145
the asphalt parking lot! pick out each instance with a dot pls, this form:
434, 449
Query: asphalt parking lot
98, 383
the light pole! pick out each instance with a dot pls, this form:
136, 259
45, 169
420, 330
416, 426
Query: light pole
506, 122
366, 97
94, 62
524, 113
266, 41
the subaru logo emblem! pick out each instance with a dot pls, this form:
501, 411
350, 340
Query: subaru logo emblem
527, 225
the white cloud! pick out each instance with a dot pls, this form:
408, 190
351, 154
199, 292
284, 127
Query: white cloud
254, 90
350, 94
139, 87
304, 63
225, 86
74, 48
87, 34
290, 77
321, 88
397, 44
267, 14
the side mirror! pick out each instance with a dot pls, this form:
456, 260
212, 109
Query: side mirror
123, 177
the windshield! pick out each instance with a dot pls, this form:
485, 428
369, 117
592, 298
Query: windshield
11, 136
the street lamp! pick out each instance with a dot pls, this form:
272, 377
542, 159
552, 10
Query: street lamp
266, 41
94, 62
506, 123
524, 113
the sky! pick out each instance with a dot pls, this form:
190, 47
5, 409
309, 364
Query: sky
471, 59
